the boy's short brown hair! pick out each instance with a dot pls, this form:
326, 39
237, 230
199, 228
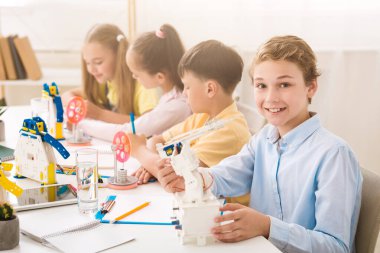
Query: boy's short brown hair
212, 59
289, 48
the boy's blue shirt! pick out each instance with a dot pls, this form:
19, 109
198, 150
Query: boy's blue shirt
308, 182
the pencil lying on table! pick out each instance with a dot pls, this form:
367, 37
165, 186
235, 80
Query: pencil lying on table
130, 212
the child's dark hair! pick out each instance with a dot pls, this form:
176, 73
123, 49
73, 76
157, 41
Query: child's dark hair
212, 59
160, 51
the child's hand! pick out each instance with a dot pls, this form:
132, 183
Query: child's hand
69, 126
246, 223
142, 175
151, 143
167, 177
92, 111
137, 141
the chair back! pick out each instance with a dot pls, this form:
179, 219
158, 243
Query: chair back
254, 119
369, 219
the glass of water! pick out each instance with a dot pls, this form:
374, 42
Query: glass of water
86, 163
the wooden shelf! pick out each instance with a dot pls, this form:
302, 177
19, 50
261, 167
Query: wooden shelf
19, 92
62, 77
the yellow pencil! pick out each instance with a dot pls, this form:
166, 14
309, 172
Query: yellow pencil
130, 212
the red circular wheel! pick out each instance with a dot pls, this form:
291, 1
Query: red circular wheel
123, 146
76, 110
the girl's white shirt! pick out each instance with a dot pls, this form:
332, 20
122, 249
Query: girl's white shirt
171, 109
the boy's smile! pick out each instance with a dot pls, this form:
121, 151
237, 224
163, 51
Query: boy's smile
275, 110
281, 94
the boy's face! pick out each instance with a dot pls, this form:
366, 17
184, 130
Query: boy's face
195, 90
281, 94
142, 76
100, 61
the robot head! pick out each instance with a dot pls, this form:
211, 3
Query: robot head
51, 90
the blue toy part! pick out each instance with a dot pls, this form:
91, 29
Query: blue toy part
40, 123
170, 148
56, 144
46, 89
54, 89
62, 189
37, 126
51, 90
58, 104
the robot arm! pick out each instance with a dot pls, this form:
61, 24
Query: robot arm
184, 161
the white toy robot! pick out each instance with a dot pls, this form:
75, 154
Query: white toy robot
196, 207
34, 155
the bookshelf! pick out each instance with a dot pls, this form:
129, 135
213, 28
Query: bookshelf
62, 76
19, 92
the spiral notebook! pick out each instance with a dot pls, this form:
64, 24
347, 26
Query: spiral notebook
90, 236
6, 153
94, 237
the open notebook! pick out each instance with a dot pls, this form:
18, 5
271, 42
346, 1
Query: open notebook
75, 235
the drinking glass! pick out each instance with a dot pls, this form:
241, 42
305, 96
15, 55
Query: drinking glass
86, 164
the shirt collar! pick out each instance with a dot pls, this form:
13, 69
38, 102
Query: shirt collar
297, 135
172, 94
229, 110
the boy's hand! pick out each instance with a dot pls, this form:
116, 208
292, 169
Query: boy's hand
246, 223
167, 177
142, 175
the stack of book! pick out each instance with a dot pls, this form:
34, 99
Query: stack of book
17, 59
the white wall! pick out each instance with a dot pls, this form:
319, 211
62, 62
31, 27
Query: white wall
345, 35
60, 25
325, 24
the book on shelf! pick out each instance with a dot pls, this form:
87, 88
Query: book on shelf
17, 59
3, 75
7, 59
20, 70
28, 58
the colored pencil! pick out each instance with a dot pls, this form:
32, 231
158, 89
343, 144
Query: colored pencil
130, 212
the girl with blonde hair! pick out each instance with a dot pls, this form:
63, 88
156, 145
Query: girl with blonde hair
153, 59
110, 91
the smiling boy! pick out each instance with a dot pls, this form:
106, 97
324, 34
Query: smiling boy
305, 182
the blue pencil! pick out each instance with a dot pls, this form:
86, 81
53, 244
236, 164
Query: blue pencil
132, 117
224, 202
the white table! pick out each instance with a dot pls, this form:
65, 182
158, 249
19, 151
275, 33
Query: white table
148, 238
